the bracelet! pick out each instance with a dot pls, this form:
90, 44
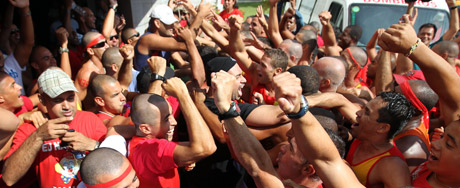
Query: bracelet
303, 109
114, 7
28, 13
63, 50
413, 47
155, 77
453, 8
232, 112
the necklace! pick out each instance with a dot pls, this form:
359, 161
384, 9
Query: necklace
436, 178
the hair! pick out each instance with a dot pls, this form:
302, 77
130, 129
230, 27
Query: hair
316, 25
246, 33
355, 32
102, 161
309, 38
309, 78
428, 25
278, 58
34, 52
266, 41
397, 112
3, 75
295, 49
98, 81
141, 112
325, 117
126, 33
245, 26
112, 56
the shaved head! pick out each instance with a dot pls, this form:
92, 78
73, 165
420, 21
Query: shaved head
129, 32
101, 162
359, 54
144, 109
307, 37
88, 37
292, 48
100, 80
330, 68
112, 56
446, 47
423, 92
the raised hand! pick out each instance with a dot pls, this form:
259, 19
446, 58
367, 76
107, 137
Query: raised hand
324, 17
127, 51
287, 92
157, 65
20, 3
221, 83
62, 35
184, 33
174, 87
235, 22
398, 38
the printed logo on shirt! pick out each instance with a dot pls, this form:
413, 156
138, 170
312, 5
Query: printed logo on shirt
54, 146
68, 167
12, 73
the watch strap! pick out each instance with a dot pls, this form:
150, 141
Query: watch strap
303, 109
232, 112
155, 77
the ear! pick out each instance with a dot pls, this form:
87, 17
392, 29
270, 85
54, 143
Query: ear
292, 58
2, 99
90, 51
114, 68
325, 83
129, 41
278, 71
157, 23
383, 128
145, 128
34, 65
309, 170
444, 55
99, 101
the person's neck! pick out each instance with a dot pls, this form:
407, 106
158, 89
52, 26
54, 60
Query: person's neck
105, 111
97, 63
349, 81
229, 9
447, 181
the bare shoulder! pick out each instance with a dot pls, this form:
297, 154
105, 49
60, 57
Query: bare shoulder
390, 171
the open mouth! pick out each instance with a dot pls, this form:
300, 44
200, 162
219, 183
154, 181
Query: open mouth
433, 157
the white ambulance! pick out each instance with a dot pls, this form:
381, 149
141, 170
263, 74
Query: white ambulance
374, 14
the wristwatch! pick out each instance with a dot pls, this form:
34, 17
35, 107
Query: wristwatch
231, 113
62, 50
303, 109
114, 7
155, 77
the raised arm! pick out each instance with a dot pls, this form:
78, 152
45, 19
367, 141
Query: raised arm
158, 66
109, 20
211, 32
335, 100
273, 27
311, 138
283, 24
248, 150
201, 143
26, 43
196, 62
453, 21
330, 43
438, 73
384, 74
125, 76
6, 29
371, 45
62, 36
237, 49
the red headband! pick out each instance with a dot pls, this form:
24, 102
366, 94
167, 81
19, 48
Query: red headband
361, 76
114, 181
409, 94
95, 41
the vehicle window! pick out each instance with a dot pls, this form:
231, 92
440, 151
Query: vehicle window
371, 17
336, 10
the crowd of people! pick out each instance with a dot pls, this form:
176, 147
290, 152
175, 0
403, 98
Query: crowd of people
210, 99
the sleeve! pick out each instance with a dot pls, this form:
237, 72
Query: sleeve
115, 142
98, 127
23, 132
246, 109
157, 155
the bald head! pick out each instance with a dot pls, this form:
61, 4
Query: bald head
307, 37
144, 109
112, 56
423, 92
446, 49
102, 162
293, 49
88, 37
359, 55
127, 34
332, 69
100, 80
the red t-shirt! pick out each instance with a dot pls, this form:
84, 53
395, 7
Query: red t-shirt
420, 175
153, 161
261, 89
55, 166
224, 14
27, 107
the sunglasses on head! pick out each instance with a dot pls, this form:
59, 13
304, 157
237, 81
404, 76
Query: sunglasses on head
99, 45
135, 35
113, 36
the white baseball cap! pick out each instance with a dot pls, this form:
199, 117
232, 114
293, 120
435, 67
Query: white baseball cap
164, 13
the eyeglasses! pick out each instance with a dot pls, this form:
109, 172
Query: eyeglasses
99, 45
135, 35
113, 36
13, 31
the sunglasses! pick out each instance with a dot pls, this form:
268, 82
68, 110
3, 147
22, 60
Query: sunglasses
113, 36
135, 35
13, 31
99, 45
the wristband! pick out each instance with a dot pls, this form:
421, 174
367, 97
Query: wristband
413, 47
453, 8
303, 109
62, 50
231, 113
114, 7
156, 77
